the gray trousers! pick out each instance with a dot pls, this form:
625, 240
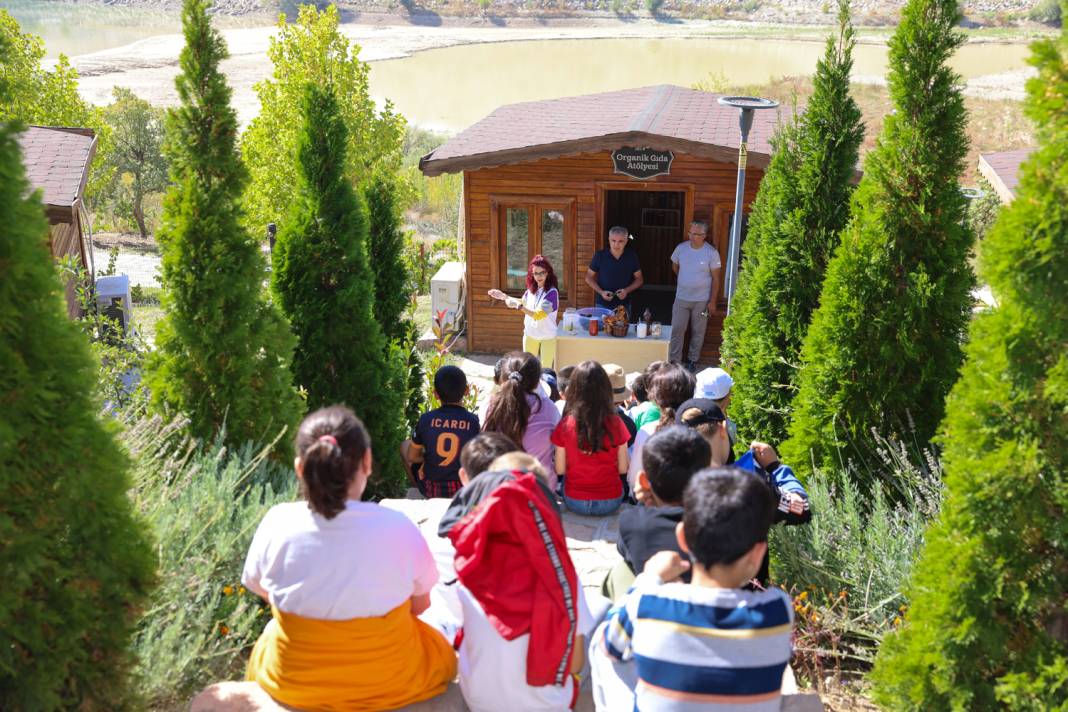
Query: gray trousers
685, 314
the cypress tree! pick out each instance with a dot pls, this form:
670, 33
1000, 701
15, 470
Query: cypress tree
223, 348
326, 286
385, 247
884, 346
986, 628
802, 206
76, 561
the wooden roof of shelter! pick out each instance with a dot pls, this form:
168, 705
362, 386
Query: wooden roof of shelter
1002, 169
663, 117
57, 162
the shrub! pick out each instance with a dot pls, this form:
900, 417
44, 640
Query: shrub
847, 569
312, 49
76, 561
884, 346
326, 286
1046, 11
385, 250
802, 205
987, 625
222, 349
204, 504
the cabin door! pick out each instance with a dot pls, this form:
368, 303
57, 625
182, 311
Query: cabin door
656, 220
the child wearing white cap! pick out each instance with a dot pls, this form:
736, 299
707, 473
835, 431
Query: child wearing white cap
715, 384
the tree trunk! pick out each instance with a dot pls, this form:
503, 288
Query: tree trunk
139, 214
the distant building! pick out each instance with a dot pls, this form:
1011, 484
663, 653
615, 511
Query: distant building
57, 163
1002, 170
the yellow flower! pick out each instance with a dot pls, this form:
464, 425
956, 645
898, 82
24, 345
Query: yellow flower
897, 621
841, 594
227, 590
241, 591
223, 629
802, 596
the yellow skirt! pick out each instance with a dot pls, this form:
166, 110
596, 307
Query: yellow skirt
359, 664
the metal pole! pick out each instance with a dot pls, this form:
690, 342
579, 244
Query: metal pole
745, 122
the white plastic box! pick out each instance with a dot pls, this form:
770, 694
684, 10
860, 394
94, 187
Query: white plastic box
447, 292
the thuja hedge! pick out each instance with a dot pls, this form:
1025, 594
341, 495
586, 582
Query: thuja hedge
75, 561
223, 348
326, 286
987, 627
802, 205
884, 346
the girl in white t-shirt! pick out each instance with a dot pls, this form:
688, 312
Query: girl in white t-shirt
345, 580
539, 303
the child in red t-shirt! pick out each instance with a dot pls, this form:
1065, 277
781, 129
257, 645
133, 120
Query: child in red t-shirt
591, 443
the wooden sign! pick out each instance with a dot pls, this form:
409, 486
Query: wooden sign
642, 163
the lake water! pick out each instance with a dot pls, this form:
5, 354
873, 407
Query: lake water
453, 87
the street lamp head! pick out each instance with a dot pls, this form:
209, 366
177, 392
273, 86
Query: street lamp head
748, 102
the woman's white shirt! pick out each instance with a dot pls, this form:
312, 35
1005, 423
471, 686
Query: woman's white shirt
363, 563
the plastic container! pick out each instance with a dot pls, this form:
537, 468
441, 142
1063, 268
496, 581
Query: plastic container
587, 313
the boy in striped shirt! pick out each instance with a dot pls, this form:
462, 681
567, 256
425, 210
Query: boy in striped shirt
708, 645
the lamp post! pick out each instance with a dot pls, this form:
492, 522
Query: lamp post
746, 105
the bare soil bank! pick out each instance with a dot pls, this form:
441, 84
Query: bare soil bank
979, 13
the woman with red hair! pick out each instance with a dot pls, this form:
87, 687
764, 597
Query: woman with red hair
539, 303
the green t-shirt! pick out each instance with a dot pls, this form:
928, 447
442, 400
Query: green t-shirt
647, 412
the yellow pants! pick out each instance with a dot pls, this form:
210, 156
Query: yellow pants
544, 349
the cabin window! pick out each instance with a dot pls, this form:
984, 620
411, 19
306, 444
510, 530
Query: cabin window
534, 228
516, 247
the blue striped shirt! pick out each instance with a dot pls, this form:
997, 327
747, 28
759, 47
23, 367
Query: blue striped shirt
702, 648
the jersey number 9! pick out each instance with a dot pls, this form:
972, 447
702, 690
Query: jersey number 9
448, 448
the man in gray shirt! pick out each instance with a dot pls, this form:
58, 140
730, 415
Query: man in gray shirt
697, 265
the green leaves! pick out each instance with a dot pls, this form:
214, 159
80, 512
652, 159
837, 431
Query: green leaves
76, 560
986, 627
223, 348
313, 50
802, 205
325, 283
884, 347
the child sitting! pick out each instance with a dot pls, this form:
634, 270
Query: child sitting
670, 458
520, 410
345, 580
525, 619
646, 410
433, 454
562, 379
706, 417
476, 457
591, 444
707, 644
671, 386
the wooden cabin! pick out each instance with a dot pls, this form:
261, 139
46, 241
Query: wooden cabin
552, 177
1002, 170
57, 163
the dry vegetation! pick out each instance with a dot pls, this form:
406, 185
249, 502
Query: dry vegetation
993, 124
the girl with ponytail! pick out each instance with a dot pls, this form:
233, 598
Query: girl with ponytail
521, 410
345, 580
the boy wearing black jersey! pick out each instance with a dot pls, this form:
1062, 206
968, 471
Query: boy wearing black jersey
432, 456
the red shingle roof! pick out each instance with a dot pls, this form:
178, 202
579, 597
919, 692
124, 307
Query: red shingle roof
1002, 169
57, 161
662, 117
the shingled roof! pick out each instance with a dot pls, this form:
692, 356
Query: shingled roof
663, 117
1002, 169
57, 161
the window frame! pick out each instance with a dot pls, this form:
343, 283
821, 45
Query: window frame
534, 205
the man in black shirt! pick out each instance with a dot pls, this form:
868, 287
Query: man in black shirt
614, 272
